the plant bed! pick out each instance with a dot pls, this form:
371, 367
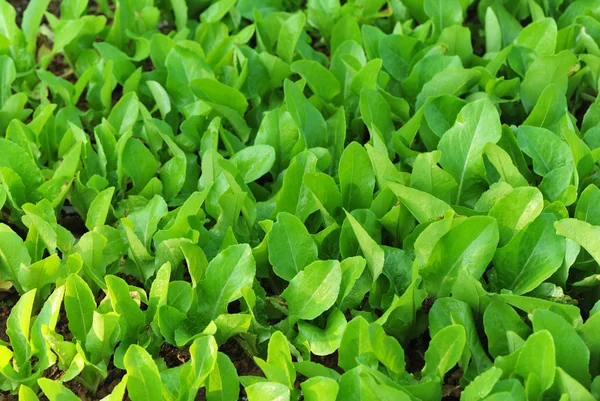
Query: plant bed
285, 200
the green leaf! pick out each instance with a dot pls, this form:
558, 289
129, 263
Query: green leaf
450, 311
462, 148
372, 252
41, 273
79, 307
308, 119
203, 353
423, 206
320, 80
359, 383
531, 257
90, 247
549, 108
161, 97
445, 350
469, 245
47, 317
102, 337
27, 394
8, 74
355, 343
375, 111
367, 75
326, 193
254, 162
327, 341
139, 163
268, 391
572, 354
357, 179
570, 386
278, 130
320, 389
550, 69
13, 255
346, 28
314, 290
387, 350
223, 383
125, 113
145, 220
443, 13
500, 167
516, 210
72, 9
17, 329
288, 36
278, 367
291, 248
582, 233
55, 391
546, 149
122, 303
428, 177
215, 92
587, 205
483, 384
32, 17
498, 319
294, 197
352, 269
17, 159
537, 361
226, 275
452, 81
216, 11
143, 378
569, 312
99, 209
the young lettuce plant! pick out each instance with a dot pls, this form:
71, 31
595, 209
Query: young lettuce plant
31, 353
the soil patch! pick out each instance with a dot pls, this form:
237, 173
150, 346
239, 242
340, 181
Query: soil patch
62, 325
174, 356
72, 221
451, 388
8, 299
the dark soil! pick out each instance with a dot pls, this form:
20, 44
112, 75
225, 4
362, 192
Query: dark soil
19, 6
4, 396
243, 363
108, 385
414, 353
53, 373
62, 326
59, 67
329, 361
8, 299
427, 304
134, 281
72, 221
451, 389
54, 7
174, 356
